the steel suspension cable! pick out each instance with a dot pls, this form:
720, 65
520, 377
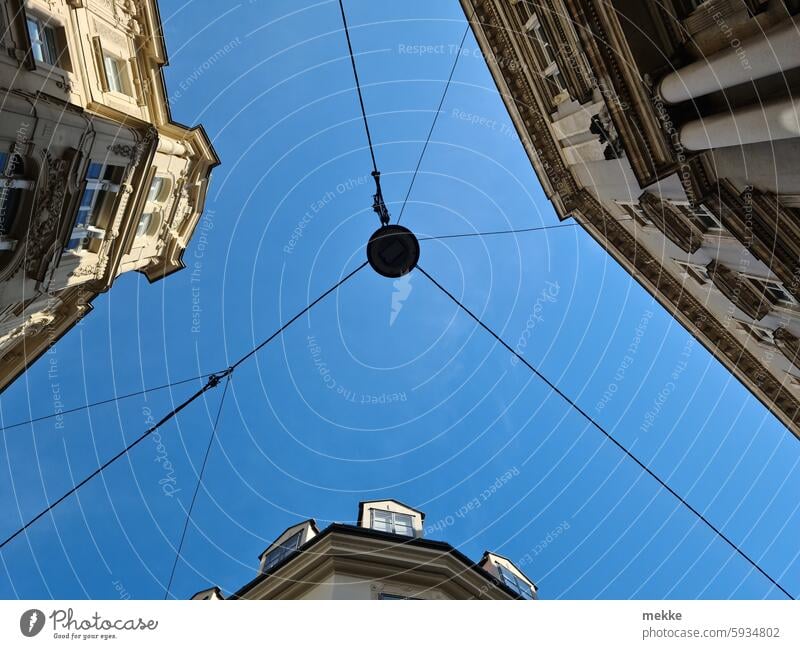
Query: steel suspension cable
213, 381
269, 339
378, 204
197, 487
435, 119
87, 406
608, 435
519, 231
358, 86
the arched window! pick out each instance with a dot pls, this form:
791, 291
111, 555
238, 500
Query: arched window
147, 224
159, 189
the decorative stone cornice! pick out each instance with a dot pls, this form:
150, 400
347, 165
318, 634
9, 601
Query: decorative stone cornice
721, 342
630, 101
636, 121
47, 212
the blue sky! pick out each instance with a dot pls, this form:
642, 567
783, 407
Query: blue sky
351, 403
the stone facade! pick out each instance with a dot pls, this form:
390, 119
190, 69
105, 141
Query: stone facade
96, 178
667, 130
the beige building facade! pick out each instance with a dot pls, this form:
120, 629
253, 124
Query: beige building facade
383, 556
97, 178
670, 131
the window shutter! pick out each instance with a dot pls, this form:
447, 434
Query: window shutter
138, 86
97, 48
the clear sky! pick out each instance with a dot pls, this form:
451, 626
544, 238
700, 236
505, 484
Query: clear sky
362, 400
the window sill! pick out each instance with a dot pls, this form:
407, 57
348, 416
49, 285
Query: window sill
62, 78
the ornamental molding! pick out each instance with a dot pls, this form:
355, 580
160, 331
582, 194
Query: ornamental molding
763, 226
48, 206
640, 119
721, 342
536, 124
632, 116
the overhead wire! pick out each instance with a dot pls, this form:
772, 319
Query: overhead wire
358, 86
213, 381
103, 402
518, 231
378, 204
197, 488
607, 434
435, 119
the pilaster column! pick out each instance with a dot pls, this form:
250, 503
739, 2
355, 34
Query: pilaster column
776, 121
741, 61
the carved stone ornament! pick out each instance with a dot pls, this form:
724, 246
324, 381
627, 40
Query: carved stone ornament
47, 210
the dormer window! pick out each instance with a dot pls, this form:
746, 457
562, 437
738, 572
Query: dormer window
515, 583
392, 522
284, 550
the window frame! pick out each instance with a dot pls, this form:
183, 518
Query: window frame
698, 272
787, 301
164, 183
395, 596
118, 82
763, 335
637, 214
515, 583
282, 551
100, 189
701, 215
393, 522
548, 62
46, 39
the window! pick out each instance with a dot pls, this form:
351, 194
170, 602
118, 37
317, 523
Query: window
115, 73
761, 334
774, 291
697, 272
386, 521
550, 70
283, 551
636, 213
102, 185
43, 40
145, 221
158, 189
701, 216
515, 583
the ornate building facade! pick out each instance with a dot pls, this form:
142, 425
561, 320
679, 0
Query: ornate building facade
383, 556
96, 179
671, 132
